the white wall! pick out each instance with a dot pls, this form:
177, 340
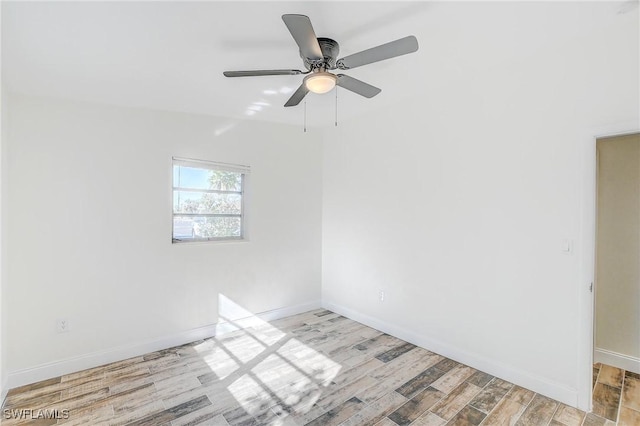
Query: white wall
3, 129
3, 334
89, 225
618, 252
456, 203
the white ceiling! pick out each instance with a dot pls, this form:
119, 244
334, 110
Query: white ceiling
171, 55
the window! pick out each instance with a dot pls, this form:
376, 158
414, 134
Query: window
208, 201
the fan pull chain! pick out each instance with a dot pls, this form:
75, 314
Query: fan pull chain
336, 106
305, 116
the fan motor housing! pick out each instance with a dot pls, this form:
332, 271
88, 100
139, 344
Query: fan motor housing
330, 50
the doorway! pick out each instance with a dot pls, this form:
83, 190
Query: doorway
616, 337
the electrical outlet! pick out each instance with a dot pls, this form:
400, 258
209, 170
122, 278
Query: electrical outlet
62, 325
381, 295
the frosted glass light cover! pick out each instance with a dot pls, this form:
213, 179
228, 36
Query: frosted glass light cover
320, 82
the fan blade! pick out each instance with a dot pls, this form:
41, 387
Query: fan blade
300, 28
379, 53
357, 86
297, 96
258, 73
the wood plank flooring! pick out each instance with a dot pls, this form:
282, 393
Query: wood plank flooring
316, 368
616, 394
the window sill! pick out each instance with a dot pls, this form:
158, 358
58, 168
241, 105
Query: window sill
179, 242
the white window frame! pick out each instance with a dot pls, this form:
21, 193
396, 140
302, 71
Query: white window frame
210, 165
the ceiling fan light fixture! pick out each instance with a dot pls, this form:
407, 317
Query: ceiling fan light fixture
320, 82
320, 55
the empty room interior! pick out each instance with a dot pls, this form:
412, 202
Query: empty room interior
325, 213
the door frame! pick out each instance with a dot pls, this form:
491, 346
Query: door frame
587, 238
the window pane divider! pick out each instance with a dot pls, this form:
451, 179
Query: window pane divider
206, 191
206, 214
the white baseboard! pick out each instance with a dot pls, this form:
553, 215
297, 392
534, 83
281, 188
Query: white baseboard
522, 378
95, 359
616, 359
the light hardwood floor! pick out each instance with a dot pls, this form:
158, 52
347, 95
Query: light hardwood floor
316, 368
616, 394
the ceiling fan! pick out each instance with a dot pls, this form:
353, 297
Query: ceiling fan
319, 55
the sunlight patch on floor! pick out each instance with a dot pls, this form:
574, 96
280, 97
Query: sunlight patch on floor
221, 363
310, 362
280, 370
